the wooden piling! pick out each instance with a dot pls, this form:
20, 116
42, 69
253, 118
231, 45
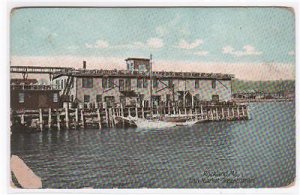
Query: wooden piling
143, 112
41, 119
49, 119
129, 112
228, 112
223, 115
22, 119
106, 117
99, 118
82, 118
76, 117
243, 111
67, 116
136, 111
113, 116
58, 119
201, 111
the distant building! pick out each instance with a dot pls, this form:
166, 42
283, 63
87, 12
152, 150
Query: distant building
132, 86
138, 64
32, 97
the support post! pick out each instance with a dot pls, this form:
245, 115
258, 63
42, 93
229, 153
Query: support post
223, 116
129, 112
143, 112
113, 116
82, 118
67, 116
228, 112
76, 117
243, 111
99, 118
58, 119
136, 111
41, 119
22, 119
49, 119
106, 117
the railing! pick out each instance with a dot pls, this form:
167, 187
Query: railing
163, 74
37, 69
34, 87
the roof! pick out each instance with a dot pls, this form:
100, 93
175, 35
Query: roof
135, 74
147, 59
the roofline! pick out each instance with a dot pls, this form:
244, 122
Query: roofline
137, 59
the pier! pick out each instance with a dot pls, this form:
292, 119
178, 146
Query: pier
103, 116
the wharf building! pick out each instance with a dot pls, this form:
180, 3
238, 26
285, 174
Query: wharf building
132, 86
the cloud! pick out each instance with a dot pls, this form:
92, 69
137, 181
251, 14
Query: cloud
161, 31
183, 44
155, 43
201, 53
168, 27
100, 44
242, 70
291, 53
247, 50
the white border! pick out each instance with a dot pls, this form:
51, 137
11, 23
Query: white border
5, 135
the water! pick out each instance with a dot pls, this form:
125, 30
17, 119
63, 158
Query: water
255, 153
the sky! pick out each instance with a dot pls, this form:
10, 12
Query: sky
252, 43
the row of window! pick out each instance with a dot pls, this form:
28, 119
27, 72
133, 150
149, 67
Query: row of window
21, 97
141, 83
62, 83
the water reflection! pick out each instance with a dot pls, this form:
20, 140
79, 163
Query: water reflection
165, 158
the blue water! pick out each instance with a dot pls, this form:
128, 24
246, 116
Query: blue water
255, 153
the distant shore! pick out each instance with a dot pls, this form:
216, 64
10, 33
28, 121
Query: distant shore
262, 100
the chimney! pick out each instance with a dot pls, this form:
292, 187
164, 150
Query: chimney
84, 64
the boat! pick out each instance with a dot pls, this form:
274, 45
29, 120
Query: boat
158, 122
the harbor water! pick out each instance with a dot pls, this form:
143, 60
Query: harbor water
256, 153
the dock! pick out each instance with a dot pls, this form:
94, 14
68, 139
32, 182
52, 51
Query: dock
83, 117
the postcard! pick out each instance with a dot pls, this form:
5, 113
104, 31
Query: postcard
152, 97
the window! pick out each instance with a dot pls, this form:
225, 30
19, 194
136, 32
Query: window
168, 97
62, 84
121, 85
86, 98
110, 100
139, 82
123, 100
87, 82
170, 83
111, 82
145, 83
215, 98
155, 82
98, 98
55, 97
197, 84
128, 84
57, 84
21, 98
213, 84
104, 83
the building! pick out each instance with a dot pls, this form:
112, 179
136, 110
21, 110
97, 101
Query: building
132, 86
27, 95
